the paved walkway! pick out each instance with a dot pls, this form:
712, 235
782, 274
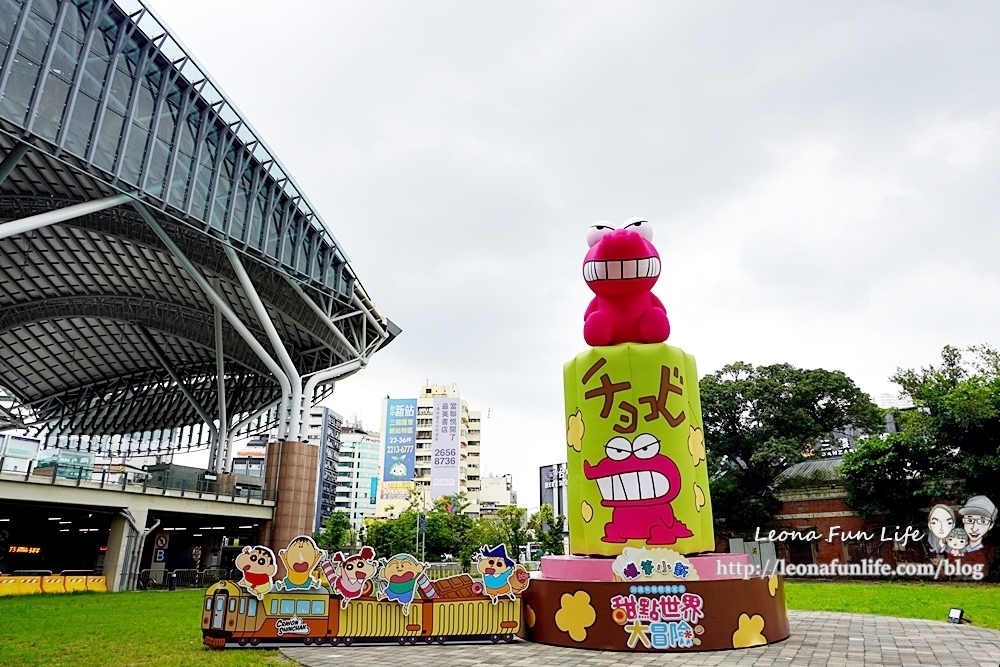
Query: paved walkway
819, 639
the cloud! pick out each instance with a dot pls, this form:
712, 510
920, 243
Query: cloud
821, 182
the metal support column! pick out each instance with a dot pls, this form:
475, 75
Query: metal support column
221, 453
217, 301
11, 159
33, 222
295, 416
174, 375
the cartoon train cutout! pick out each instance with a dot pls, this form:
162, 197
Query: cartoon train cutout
396, 602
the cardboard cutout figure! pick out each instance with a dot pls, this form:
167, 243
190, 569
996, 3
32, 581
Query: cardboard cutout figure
398, 580
258, 566
353, 575
300, 559
501, 576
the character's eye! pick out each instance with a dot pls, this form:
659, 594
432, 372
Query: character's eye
642, 226
618, 449
596, 231
645, 446
253, 559
349, 566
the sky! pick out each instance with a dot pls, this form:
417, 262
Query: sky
821, 179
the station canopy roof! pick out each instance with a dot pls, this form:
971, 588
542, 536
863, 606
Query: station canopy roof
110, 128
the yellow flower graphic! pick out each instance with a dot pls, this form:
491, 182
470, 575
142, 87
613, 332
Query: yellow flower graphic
575, 615
574, 433
696, 445
772, 584
749, 632
587, 510
699, 497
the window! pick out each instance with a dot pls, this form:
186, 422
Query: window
208, 604
243, 605
252, 607
232, 604
220, 603
318, 607
302, 607
274, 607
287, 607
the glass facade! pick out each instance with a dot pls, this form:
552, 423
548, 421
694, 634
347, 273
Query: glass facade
112, 88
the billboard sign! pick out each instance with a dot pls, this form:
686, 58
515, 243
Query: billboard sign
395, 490
552, 487
400, 440
445, 447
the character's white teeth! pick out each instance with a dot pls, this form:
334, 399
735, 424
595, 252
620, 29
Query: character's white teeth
630, 481
642, 485
660, 485
646, 484
619, 490
622, 270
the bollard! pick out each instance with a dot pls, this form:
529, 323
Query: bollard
172, 585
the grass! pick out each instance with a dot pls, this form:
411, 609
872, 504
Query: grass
981, 602
163, 628
114, 629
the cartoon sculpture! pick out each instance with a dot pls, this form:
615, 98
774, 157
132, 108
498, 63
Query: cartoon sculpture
500, 574
621, 269
300, 559
398, 580
354, 575
636, 453
641, 575
258, 567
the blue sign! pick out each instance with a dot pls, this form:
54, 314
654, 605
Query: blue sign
373, 489
400, 440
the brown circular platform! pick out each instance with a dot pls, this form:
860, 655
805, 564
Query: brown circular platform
656, 616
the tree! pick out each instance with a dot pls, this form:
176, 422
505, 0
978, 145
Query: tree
508, 526
548, 530
760, 420
948, 448
338, 532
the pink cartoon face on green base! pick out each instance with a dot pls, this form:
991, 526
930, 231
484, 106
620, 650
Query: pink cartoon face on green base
638, 483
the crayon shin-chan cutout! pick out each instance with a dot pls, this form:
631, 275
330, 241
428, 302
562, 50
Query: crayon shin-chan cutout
342, 599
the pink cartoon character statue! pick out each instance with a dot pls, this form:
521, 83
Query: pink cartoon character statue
638, 483
621, 268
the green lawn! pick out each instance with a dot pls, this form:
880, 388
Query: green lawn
112, 629
981, 602
162, 628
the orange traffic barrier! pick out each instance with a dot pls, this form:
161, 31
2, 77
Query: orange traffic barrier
8, 586
76, 583
55, 583
97, 584
28, 585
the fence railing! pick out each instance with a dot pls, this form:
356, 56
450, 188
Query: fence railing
150, 579
65, 474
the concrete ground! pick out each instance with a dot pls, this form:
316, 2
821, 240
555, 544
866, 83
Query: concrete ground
819, 639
